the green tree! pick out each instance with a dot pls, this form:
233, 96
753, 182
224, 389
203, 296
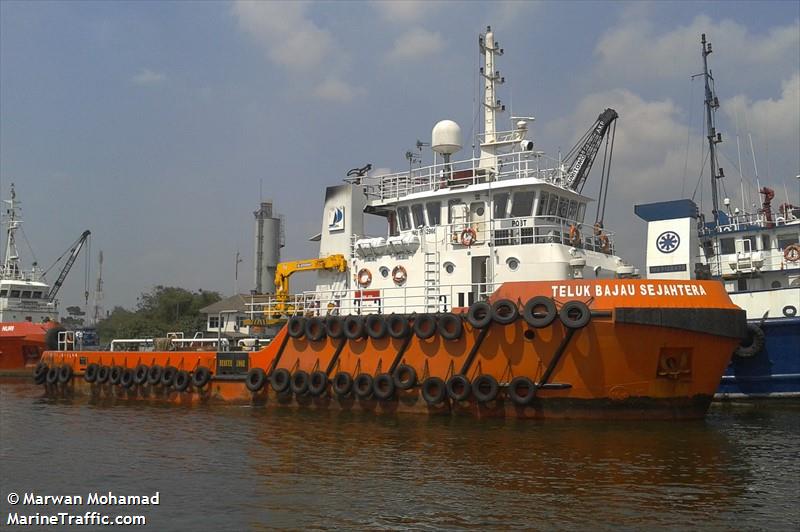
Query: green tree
163, 309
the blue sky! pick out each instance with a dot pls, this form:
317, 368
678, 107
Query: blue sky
154, 123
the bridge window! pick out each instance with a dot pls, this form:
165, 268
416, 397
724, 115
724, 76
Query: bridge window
3, 293
563, 207
765, 243
37, 295
404, 218
500, 205
418, 213
523, 204
581, 211
552, 206
726, 246
541, 209
434, 212
14, 293
573, 210
786, 240
26, 294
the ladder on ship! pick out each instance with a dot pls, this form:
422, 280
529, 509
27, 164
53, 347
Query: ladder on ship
432, 285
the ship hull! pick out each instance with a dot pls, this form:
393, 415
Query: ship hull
638, 357
771, 373
22, 345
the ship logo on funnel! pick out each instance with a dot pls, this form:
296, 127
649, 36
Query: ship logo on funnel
336, 219
668, 241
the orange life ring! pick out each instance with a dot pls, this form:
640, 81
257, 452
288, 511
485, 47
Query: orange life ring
792, 253
468, 236
364, 277
399, 275
574, 236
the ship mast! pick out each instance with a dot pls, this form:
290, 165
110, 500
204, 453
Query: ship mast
714, 138
11, 257
491, 105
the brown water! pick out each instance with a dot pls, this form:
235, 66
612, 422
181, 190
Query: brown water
241, 468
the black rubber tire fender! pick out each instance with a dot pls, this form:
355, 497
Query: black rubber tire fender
425, 326
127, 378
334, 326
790, 311
434, 391
201, 377
450, 326
103, 374
479, 315
575, 315
299, 382
52, 375
317, 383
342, 383
362, 385
315, 329
405, 377
256, 379
90, 373
354, 327
115, 375
168, 377
182, 380
505, 312
64, 373
140, 374
521, 390
40, 372
280, 379
383, 386
296, 326
398, 326
375, 325
154, 374
459, 388
535, 318
485, 388
752, 344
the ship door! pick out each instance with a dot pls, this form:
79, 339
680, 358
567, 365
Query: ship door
480, 274
477, 219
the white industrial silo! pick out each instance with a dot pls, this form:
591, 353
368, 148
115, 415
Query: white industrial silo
268, 244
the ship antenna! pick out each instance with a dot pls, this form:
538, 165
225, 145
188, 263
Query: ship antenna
714, 138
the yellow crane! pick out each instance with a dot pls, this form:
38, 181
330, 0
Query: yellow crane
285, 270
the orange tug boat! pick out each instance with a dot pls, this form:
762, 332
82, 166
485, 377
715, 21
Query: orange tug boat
610, 349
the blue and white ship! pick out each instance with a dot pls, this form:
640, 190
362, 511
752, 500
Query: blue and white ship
755, 254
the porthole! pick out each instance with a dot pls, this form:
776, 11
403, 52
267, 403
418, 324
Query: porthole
384, 271
449, 267
512, 263
776, 284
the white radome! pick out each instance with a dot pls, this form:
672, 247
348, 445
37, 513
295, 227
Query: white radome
446, 137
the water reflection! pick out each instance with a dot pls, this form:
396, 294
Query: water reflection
233, 468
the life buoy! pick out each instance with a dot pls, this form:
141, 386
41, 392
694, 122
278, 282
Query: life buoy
792, 253
468, 236
574, 235
364, 277
399, 275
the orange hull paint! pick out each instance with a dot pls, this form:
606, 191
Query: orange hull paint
22, 344
623, 364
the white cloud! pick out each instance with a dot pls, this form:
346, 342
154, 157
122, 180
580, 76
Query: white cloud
416, 43
148, 77
288, 36
636, 48
404, 11
772, 121
336, 90
507, 13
